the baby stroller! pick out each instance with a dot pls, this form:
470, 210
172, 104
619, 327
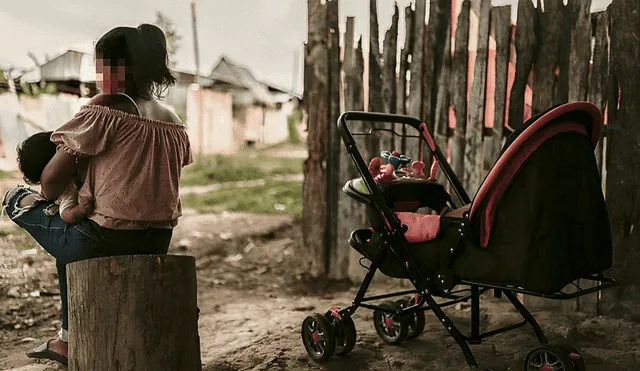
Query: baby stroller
537, 224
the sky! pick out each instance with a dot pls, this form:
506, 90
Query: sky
265, 35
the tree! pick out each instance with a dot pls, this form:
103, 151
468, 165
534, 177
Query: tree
173, 38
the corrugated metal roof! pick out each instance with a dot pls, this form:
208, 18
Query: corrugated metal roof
237, 75
70, 65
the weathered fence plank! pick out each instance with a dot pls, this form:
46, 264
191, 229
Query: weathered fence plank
350, 217
337, 247
600, 70
580, 50
414, 100
443, 101
526, 44
501, 29
459, 82
474, 135
438, 30
375, 77
546, 68
389, 63
623, 167
316, 88
401, 95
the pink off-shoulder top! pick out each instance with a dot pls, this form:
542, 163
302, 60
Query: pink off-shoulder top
134, 168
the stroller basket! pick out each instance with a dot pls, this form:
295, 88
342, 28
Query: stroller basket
485, 244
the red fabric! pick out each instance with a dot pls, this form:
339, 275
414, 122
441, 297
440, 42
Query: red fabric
422, 228
493, 187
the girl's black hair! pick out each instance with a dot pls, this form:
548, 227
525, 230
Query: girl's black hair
144, 52
34, 153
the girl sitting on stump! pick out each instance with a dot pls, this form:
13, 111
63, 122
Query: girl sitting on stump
134, 149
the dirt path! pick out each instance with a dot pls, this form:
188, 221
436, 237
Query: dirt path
253, 297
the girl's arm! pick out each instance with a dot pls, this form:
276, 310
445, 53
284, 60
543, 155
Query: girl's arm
58, 174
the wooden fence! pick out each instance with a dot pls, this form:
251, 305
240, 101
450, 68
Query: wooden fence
473, 77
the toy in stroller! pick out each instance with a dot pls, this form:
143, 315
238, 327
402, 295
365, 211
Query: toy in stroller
537, 224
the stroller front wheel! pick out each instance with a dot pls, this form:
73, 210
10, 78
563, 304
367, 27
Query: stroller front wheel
391, 328
318, 337
416, 321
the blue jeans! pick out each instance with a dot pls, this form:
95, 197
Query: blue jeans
86, 240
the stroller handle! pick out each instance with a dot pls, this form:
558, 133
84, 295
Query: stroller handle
371, 117
421, 127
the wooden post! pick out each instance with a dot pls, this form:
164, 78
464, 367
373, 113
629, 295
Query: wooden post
600, 71
526, 44
389, 91
375, 77
133, 312
316, 94
475, 130
337, 246
443, 101
547, 63
459, 88
414, 100
501, 29
580, 50
351, 213
401, 96
439, 22
623, 167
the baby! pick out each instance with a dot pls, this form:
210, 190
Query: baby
34, 153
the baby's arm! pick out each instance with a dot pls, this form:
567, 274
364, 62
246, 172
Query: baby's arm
72, 212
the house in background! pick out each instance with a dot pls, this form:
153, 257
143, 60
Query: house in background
238, 111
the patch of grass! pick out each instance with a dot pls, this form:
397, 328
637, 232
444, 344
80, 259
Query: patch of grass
274, 197
249, 165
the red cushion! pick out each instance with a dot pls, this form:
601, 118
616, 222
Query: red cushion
422, 228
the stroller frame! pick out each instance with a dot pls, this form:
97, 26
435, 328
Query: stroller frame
424, 290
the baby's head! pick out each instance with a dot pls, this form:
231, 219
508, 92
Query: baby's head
34, 153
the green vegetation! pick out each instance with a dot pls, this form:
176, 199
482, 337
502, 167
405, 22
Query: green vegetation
249, 165
274, 197
292, 121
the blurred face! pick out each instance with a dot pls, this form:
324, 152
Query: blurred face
110, 78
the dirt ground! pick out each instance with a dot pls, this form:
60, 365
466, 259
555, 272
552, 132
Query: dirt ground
254, 295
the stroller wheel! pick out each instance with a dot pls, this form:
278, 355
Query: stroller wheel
576, 358
549, 357
345, 334
318, 337
391, 328
415, 322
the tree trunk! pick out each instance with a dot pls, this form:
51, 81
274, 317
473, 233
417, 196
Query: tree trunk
623, 167
474, 135
526, 44
133, 313
316, 94
501, 29
459, 86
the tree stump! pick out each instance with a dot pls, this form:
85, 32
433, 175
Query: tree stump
133, 313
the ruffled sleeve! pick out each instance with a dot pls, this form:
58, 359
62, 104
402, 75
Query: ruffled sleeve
88, 133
